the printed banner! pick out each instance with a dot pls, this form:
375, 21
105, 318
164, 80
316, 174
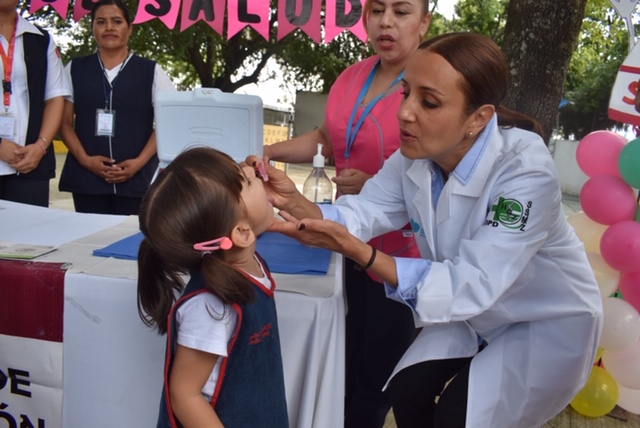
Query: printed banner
341, 15
303, 14
211, 12
60, 6
165, 10
30, 382
623, 95
252, 13
81, 8
31, 326
624, 7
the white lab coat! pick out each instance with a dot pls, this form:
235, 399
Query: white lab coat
525, 286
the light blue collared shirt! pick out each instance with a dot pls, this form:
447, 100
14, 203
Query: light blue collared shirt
412, 271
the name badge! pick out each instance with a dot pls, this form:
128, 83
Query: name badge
7, 126
105, 122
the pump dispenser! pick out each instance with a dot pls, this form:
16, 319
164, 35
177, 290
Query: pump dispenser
317, 187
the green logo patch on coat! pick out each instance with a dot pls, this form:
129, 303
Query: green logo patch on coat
511, 213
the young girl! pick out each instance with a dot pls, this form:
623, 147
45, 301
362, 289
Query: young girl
223, 364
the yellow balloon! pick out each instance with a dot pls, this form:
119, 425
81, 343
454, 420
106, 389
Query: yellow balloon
587, 230
598, 355
599, 396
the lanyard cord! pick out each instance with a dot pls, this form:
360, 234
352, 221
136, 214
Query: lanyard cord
108, 95
7, 62
351, 131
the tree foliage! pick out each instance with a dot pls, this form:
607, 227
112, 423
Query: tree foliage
199, 56
602, 47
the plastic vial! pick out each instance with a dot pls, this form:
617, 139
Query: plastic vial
317, 187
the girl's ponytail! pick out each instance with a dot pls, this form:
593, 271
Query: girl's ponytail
157, 287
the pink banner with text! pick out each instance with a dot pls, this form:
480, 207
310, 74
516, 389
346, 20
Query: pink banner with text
340, 15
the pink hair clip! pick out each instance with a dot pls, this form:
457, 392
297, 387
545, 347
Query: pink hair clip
223, 243
262, 168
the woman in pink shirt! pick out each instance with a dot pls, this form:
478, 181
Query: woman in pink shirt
360, 131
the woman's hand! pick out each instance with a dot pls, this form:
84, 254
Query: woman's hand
101, 166
350, 181
124, 170
335, 237
10, 151
279, 187
317, 233
29, 158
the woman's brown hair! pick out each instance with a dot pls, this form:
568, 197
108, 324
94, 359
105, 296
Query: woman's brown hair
196, 198
485, 73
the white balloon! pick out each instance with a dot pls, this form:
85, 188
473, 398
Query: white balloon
624, 365
629, 399
587, 230
608, 278
621, 324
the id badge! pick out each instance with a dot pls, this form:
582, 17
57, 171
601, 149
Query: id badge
7, 126
105, 122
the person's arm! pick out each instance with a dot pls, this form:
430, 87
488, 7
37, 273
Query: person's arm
301, 149
190, 371
335, 237
32, 154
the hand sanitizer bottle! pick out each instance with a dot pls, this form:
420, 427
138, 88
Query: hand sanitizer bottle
317, 187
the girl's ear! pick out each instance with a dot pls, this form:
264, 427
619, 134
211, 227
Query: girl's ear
242, 235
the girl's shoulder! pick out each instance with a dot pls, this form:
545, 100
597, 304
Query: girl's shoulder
205, 307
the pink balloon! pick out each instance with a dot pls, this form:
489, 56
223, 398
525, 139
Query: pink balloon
629, 286
620, 246
598, 153
607, 199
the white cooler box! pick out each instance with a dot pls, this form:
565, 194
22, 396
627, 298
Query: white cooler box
231, 123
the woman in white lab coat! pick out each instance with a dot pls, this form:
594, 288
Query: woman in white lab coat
509, 305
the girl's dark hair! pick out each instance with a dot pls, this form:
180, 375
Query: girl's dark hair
195, 199
485, 74
119, 3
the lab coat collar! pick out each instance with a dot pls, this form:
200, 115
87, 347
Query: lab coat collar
472, 173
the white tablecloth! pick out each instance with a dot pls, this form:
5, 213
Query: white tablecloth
113, 363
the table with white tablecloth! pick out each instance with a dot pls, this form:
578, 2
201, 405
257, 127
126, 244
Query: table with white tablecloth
112, 363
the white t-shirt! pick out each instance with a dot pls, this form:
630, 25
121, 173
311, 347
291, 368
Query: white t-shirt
161, 81
206, 324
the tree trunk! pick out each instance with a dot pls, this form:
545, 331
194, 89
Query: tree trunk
540, 36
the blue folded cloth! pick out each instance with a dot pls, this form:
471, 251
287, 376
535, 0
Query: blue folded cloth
286, 255
282, 254
126, 248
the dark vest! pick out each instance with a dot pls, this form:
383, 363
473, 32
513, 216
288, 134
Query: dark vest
35, 59
131, 101
250, 389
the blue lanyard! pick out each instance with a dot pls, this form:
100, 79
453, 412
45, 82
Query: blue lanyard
351, 132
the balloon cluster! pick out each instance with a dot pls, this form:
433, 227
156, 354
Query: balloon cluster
609, 227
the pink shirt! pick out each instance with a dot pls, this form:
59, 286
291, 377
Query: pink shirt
377, 139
